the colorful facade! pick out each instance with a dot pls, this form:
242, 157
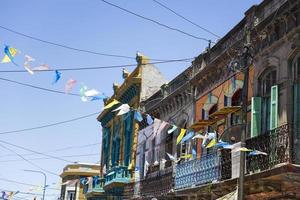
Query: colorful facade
120, 132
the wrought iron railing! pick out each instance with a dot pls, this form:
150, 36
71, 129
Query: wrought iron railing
198, 172
118, 174
275, 143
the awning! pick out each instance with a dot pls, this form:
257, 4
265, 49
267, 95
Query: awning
202, 124
223, 112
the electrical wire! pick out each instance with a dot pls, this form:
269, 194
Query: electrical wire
100, 67
49, 125
46, 158
22, 183
181, 16
156, 22
70, 47
56, 150
28, 161
37, 87
30, 150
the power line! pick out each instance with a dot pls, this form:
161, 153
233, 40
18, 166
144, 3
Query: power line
46, 158
181, 16
28, 161
37, 87
60, 149
22, 183
100, 67
33, 151
155, 22
49, 125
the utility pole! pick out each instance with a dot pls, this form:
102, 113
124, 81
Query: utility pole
245, 68
45, 180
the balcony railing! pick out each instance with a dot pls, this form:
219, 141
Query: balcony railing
218, 166
276, 143
96, 186
198, 172
118, 174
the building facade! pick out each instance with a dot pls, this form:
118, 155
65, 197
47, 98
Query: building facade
71, 188
120, 132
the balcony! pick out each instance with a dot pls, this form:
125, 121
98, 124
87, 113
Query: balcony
94, 188
118, 176
197, 172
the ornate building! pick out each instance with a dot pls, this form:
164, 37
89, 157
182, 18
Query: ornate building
120, 132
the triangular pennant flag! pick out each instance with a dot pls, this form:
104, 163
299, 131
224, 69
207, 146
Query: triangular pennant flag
186, 156
27, 65
187, 136
212, 143
149, 120
42, 67
121, 107
180, 136
256, 152
57, 76
194, 153
172, 129
10, 53
221, 144
91, 93
244, 149
171, 157
111, 104
198, 136
138, 116
70, 85
228, 146
98, 97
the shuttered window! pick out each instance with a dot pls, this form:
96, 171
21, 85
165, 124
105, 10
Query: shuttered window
274, 107
255, 116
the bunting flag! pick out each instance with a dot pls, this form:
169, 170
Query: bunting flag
138, 116
229, 146
212, 143
221, 144
123, 109
27, 65
172, 158
99, 97
111, 104
42, 67
57, 76
149, 120
180, 136
187, 156
256, 152
70, 85
194, 153
199, 136
172, 129
82, 90
10, 53
244, 149
91, 93
187, 136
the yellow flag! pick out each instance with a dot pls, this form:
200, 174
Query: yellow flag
212, 143
244, 149
180, 136
186, 156
111, 104
12, 52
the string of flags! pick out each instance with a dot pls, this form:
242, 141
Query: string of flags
85, 94
209, 139
8, 195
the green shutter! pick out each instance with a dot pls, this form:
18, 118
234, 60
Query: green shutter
297, 108
255, 116
274, 107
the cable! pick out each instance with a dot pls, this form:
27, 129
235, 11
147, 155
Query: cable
30, 150
60, 149
28, 161
155, 22
49, 125
22, 183
69, 47
46, 158
101, 67
37, 87
179, 15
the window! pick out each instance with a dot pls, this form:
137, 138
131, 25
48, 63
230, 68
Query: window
71, 195
296, 68
236, 100
296, 94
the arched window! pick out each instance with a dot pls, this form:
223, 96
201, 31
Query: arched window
296, 93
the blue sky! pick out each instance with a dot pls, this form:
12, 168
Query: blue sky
95, 26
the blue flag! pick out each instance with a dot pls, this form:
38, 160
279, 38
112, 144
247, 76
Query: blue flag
57, 76
149, 120
138, 116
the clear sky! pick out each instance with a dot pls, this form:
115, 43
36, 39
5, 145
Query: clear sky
96, 26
